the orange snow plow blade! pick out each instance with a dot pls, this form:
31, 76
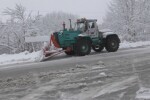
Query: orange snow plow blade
54, 41
52, 49
48, 52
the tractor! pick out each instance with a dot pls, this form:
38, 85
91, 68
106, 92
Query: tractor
84, 37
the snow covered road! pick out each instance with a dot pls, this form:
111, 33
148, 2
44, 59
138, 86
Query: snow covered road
123, 75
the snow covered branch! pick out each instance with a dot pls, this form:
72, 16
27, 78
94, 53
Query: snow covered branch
129, 18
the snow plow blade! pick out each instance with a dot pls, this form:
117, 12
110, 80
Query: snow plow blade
49, 54
51, 49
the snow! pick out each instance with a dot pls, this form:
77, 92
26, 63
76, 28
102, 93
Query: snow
37, 39
103, 74
126, 44
143, 93
25, 57
116, 86
81, 82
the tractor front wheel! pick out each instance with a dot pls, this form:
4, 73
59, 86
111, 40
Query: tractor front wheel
112, 44
82, 47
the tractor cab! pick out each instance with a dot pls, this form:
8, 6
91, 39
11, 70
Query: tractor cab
87, 27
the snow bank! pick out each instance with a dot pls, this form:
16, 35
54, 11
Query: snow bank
36, 56
20, 58
126, 44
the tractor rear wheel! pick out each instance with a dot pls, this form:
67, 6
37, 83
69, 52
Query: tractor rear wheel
82, 47
98, 48
112, 44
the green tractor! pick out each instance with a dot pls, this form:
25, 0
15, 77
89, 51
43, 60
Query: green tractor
84, 37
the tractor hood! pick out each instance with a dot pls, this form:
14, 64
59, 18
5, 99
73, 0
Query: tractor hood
105, 34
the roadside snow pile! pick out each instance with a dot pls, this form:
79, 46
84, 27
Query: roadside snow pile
37, 56
20, 58
126, 44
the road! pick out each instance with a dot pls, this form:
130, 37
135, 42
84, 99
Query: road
99, 76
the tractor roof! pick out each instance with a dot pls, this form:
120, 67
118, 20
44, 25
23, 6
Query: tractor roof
82, 20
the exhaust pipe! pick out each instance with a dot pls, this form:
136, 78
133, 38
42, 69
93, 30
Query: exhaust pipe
64, 26
70, 25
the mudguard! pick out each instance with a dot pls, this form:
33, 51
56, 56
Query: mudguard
106, 34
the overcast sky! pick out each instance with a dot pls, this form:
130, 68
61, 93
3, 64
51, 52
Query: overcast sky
84, 8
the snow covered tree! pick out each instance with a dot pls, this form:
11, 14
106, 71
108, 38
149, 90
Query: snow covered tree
53, 21
128, 18
21, 24
143, 19
18, 25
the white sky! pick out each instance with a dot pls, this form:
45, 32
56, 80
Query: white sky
84, 8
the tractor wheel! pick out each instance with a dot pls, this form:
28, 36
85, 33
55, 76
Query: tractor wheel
70, 53
82, 47
112, 44
98, 48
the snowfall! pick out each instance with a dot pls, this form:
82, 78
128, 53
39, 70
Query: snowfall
26, 57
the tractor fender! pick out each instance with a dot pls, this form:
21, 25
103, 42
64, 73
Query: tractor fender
84, 36
108, 34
